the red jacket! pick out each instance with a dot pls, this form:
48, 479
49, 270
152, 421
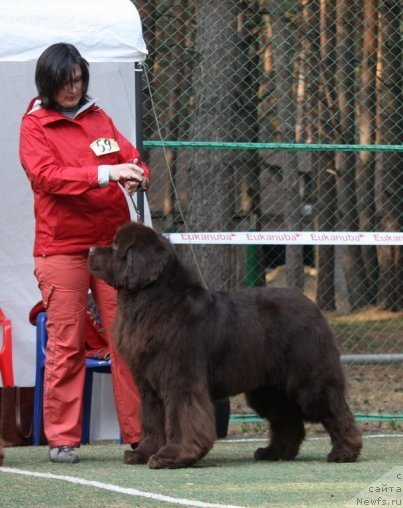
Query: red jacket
72, 211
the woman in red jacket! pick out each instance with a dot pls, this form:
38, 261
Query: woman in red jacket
78, 164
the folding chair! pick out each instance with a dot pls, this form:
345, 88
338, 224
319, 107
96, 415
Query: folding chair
6, 353
222, 408
93, 365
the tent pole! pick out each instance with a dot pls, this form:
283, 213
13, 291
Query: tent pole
138, 91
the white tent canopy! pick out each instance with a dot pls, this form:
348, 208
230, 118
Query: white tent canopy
102, 30
108, 34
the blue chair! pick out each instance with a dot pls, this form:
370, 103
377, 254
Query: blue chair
93, 365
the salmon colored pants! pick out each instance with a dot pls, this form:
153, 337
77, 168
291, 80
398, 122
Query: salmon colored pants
64, 281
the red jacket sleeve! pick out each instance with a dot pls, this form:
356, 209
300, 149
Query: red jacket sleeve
43, 168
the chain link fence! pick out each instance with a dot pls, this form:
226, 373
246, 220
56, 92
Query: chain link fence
233, 94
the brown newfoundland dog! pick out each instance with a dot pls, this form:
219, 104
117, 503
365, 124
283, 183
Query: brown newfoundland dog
188, 346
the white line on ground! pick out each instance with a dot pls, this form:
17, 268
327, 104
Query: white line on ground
152, 495
258, 439
116, 488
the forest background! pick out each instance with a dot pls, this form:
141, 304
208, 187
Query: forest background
309, 95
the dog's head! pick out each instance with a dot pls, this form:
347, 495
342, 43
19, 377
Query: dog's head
136, 258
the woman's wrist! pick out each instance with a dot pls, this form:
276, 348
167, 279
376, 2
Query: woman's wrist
104, 175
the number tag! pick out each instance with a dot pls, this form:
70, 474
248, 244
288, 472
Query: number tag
103, 146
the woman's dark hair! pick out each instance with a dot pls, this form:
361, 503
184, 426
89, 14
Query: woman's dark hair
55, 67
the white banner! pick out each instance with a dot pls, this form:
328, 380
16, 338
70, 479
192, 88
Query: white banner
287, 238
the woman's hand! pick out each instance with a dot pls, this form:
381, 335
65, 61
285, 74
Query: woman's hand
130, 175
131, 186
127, 171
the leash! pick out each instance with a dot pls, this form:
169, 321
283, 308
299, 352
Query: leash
138, 214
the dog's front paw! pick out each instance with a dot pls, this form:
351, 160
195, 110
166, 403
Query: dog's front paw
155, 462
133, 457
158, 462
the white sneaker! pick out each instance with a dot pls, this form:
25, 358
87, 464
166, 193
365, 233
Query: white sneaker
66, 454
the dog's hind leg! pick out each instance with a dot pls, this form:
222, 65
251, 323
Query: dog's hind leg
286, 424
190, 430
345, 436
330, 408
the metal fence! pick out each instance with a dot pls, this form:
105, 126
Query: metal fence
286, 116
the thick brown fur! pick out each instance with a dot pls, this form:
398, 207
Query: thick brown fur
188, 346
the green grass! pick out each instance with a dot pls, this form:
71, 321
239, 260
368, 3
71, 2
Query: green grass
368, 331
228, 475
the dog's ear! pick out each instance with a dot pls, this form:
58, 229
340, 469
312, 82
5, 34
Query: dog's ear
144, 259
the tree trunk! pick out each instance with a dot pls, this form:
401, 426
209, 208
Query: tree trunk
367, 136
319, 38
347, 199
175, 85
212, 172
248, 130
283, 58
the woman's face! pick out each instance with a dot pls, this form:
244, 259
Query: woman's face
71, 92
